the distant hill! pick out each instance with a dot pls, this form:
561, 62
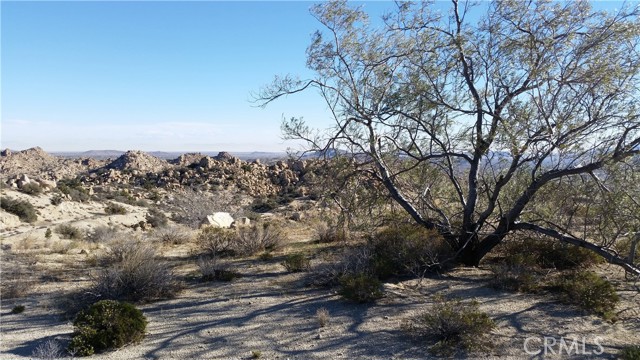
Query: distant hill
169, 155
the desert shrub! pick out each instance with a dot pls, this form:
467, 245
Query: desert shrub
515, 276
23, 209
450, 325
115, 209
322, 316
156, 218
48, 234
103, 234
212, 269
216, 241
73, 188
32, 188
107, 325
134, 273
174, 235
361, 288
550, 254
257, 237
190, 208
70, 232
296, 263
56, 199
588, 291
407, 249
18, 309
263, 205
330, 233
630, 353
48, 350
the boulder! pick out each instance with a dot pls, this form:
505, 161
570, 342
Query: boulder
219, 219
9, 220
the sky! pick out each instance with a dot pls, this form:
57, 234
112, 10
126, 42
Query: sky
167, 76
153, 76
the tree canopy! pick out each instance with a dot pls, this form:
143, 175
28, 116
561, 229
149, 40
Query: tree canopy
481, 121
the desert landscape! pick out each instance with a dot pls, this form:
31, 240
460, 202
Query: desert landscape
269, 310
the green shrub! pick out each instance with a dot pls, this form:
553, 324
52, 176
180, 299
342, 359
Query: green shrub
56, 199
296, 263
107, 325
32, 188
18, 309
23, 209
588, 291
550, 254
48, 234
264, 205
115, 209
452, 324
361, 288
70, 232
156, 218
134, 273
408, 249
73, 188
630, 353
516, 275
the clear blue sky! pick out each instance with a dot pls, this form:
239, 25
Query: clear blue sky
167, 76
171, 76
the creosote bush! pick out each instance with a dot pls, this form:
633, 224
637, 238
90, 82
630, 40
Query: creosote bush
296, 263
107, 325
133, 272
451, 325
588, 291
56, 199
23, 209
361, 288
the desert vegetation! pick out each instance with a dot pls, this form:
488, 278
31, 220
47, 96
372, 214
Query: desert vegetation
477, 195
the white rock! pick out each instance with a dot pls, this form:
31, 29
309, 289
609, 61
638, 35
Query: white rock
9, 220
219, 219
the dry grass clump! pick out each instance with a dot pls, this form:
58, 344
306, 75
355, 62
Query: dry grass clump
330, 233
322, 316
133, 272
451, 325
296, 263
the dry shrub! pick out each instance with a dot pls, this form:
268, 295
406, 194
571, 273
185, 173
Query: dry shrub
133, 272
115, 209
258, 237
16, 282
174, 235
103, 234
215, 241
242, 241
452, 325
296, 263
330, 233
212, 269
70, 232
322, 316
49, 350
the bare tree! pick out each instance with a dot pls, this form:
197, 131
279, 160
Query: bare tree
469, 117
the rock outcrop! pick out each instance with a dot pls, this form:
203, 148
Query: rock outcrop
138, 160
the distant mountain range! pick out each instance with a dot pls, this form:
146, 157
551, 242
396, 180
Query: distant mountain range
107, 154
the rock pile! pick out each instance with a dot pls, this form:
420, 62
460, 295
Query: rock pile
138, 160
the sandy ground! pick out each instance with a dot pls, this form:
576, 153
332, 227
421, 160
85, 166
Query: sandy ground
273, 312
